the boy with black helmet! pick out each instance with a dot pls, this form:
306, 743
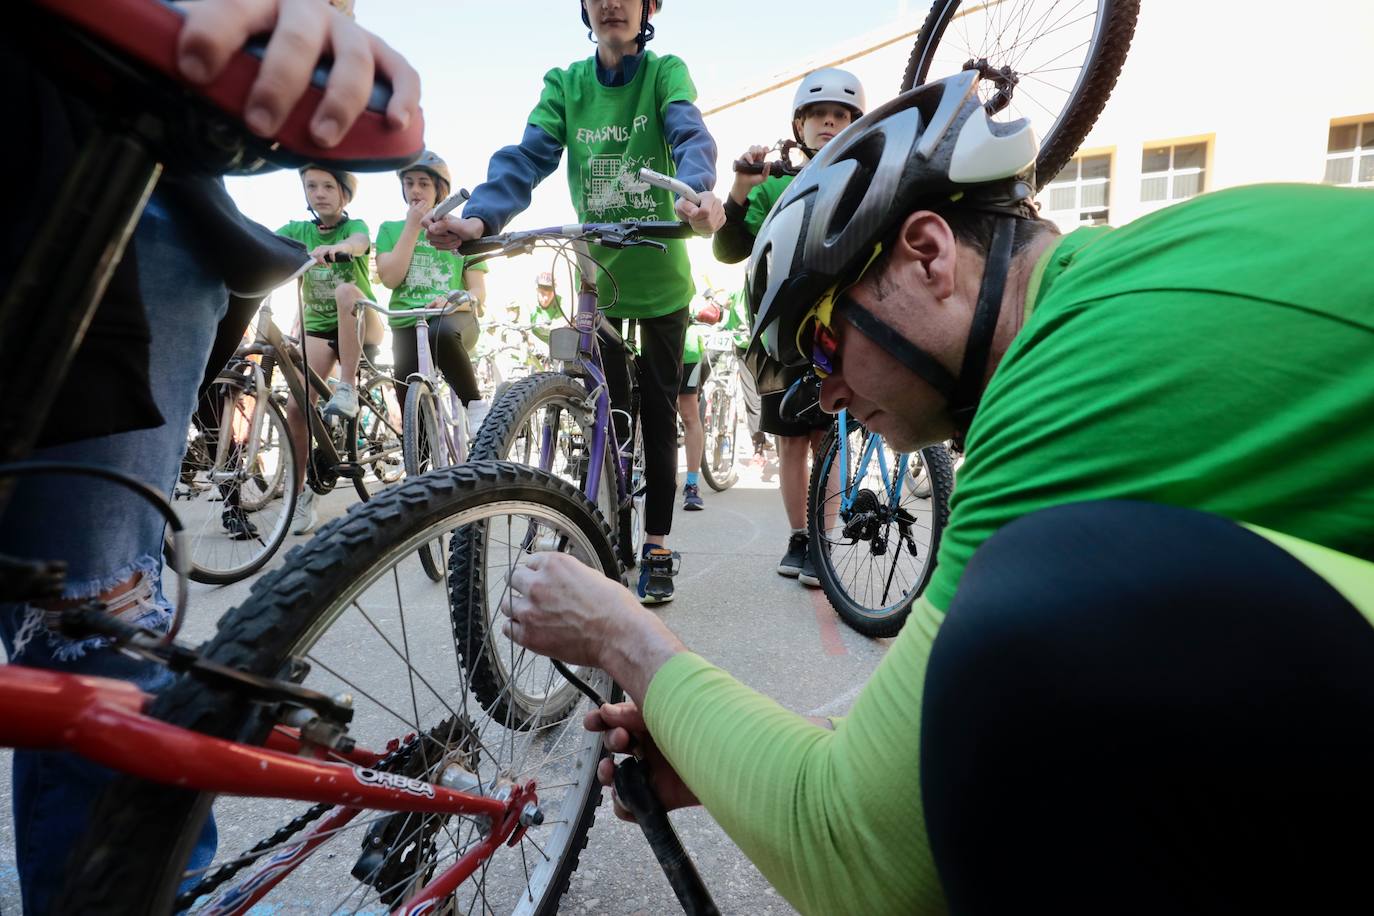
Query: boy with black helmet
328, 292
622, 109
421, 276
825, 102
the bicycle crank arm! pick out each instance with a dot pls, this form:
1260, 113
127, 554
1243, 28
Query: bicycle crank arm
636, 794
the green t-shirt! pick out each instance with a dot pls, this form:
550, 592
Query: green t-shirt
319, 282
693, 342
761, 200
610, 132
431, 273
545, 318
1217, 355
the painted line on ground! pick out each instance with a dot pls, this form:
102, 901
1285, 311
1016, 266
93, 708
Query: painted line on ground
827, 621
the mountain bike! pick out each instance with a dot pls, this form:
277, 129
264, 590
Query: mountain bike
875, 517
435, 423
720, 400
1053, 62
238, 485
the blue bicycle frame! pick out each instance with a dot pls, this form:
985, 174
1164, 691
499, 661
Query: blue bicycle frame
872, 445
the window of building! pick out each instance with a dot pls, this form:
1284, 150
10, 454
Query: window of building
1350, 153
1173, 172
1080, 192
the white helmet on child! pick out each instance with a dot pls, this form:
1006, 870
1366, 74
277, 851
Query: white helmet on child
830, 85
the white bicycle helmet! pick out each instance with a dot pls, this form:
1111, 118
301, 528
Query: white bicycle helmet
830, 85
931, 146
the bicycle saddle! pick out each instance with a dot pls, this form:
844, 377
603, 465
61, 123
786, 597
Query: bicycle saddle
121, 55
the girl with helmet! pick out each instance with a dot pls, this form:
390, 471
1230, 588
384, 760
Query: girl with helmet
328, 293
421, 276
548, 307
622, 109
825, 103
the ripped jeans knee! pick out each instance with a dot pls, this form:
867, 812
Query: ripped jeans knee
31, 632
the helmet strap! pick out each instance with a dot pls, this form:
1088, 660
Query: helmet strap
898, 347
969, 390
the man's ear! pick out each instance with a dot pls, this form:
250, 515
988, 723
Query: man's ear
926, 243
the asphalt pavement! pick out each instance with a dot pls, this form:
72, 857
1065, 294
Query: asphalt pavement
771, 632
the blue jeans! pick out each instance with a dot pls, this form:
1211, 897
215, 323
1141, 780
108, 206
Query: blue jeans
107, 534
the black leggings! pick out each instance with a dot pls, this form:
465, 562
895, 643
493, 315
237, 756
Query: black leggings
658, 372
451, 337
1134, 708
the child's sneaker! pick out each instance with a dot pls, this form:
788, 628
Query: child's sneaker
691, 498
657, 566
344, 403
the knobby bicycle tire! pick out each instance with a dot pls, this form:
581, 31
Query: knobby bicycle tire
719, 408
420, 435
131, 857
524, 403
887, 620
1115, 27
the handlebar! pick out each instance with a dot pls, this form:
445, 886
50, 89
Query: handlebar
456, 300
773, 168
131, 46
628, 234
659, 180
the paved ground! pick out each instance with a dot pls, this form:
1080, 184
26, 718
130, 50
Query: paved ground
772, 633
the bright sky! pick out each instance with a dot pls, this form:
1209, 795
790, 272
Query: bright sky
482, 63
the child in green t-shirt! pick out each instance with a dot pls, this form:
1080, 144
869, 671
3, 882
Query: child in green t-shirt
622, 109
825, 103
421, 276
329, 290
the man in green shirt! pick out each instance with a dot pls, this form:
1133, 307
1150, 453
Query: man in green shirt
329, 290
616, 112
1154, 597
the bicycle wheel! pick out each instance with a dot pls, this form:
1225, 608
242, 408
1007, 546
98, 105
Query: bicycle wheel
425, 447
235, 500
719, 419
380, 429
873, 558
351, 612
1052, 61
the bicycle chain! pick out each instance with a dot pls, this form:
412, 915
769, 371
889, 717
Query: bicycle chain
400, 756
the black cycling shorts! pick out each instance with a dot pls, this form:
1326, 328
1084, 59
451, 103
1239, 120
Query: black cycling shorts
694, 375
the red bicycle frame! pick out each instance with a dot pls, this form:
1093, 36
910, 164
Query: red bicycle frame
103, 720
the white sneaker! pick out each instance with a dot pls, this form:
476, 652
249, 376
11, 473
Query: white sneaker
344, 402
303, 519
477, 412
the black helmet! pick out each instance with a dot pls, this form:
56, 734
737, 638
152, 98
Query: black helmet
646, 28
437, 169
932, 145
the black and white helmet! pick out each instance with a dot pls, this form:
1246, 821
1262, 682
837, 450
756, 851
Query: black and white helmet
931, 145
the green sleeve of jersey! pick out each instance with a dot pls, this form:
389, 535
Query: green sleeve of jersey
480, 266
292, 230
387, 236
550, 113
832, 819
356, 227
674, 83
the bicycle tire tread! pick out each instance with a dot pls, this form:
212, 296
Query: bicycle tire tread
154, 820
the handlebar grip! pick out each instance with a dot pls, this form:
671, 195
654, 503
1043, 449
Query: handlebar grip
339, 257
632, 785
483, 245
747, 167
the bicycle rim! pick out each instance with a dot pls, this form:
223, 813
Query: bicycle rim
872, 561
425, 448
1065, 56
377, 629
237, 505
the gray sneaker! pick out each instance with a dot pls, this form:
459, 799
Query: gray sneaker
344, 403
303, 519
